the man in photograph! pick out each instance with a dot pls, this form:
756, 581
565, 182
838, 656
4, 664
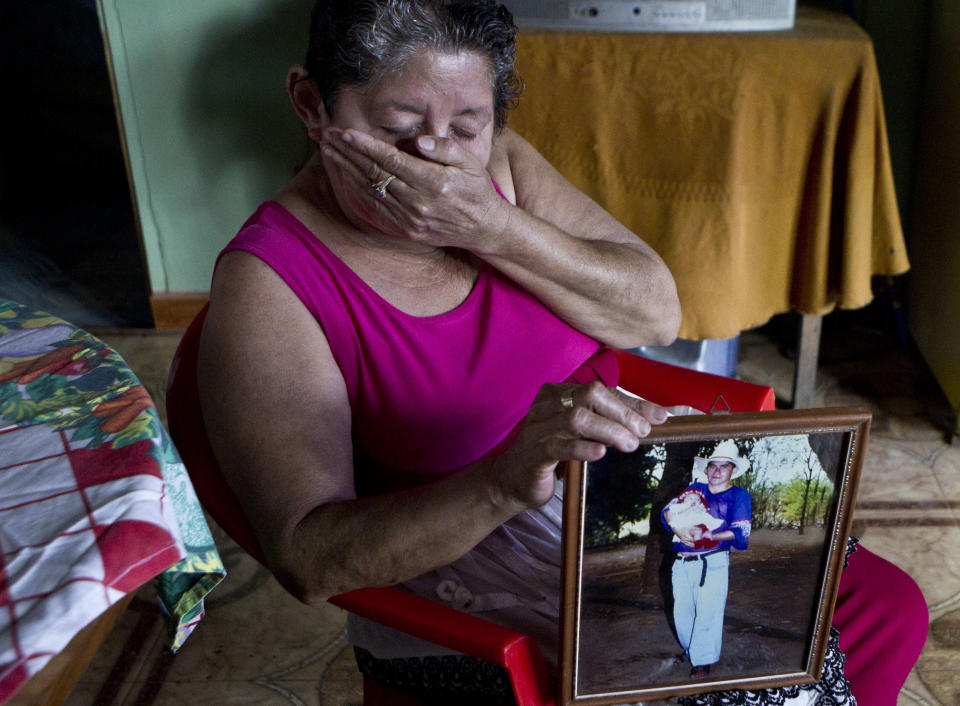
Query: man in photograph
702, 547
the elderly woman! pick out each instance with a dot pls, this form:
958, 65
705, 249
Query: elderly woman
418, 320
407, 305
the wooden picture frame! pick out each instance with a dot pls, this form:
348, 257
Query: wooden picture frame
619, 637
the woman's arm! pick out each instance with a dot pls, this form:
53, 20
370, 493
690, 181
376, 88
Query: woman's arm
278, 417
555, 241
579, 260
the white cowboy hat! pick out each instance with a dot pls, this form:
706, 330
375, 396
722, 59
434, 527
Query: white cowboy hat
725, 451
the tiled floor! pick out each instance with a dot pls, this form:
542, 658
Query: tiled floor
257, 645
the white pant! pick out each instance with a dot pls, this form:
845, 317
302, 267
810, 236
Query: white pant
698, 610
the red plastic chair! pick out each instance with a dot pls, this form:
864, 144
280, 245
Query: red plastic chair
519, 654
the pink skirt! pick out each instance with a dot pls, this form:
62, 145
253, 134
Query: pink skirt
883, 622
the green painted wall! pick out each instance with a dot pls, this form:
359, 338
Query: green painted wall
208, 127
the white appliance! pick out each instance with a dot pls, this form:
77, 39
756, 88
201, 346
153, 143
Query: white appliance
654, 15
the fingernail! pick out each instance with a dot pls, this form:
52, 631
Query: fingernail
425, 142
346, 137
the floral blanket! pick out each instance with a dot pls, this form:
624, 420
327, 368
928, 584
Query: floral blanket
94, 501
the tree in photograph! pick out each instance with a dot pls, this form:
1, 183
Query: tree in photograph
772, 462
677, 472
830, 449
764, 496
620, 488
811, 468
824, 453
779, 460
804, 502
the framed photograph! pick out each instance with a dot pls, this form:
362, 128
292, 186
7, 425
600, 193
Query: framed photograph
709, 558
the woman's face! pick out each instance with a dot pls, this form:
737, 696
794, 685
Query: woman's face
445, 95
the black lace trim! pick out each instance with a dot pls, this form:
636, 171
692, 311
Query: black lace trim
833, 689
852, 546
459, 675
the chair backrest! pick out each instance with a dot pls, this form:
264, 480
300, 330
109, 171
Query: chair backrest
672, 385
189, 434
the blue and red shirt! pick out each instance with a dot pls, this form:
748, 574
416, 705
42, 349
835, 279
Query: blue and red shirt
733, 506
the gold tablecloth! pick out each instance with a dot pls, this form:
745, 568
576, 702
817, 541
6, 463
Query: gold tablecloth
757, 164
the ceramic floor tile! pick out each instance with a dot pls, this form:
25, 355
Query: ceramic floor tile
916, 427
946, 469
259, 638
235, 693
254, 630
916, 693
944, 642
895, 472
305, 684
943, 688
137, 635
936, 571
341, 683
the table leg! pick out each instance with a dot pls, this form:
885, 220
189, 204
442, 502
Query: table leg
805, 372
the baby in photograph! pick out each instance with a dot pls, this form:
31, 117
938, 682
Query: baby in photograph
689, 511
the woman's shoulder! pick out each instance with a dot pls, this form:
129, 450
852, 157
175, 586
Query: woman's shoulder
512, 150
275, 235
499, 166
537, 185
520, 166
519, 159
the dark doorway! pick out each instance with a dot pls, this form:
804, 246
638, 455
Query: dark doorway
68, 239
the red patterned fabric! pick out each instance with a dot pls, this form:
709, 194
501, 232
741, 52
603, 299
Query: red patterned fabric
94, 500
71, 540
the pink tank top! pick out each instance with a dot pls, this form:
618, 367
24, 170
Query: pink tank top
427, 394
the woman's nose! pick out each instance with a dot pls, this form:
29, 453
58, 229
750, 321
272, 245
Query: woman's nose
409, 144
436, 128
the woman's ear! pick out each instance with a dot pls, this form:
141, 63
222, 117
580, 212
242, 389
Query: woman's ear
306, 100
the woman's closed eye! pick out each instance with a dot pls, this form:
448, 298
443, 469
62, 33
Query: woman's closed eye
399, 132
464, 134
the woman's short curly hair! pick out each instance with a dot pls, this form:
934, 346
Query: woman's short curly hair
356, 42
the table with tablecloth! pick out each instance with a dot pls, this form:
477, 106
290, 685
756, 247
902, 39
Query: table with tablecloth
94, 501
756, 164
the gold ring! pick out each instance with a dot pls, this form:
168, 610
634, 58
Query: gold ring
566, 399
380, 187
